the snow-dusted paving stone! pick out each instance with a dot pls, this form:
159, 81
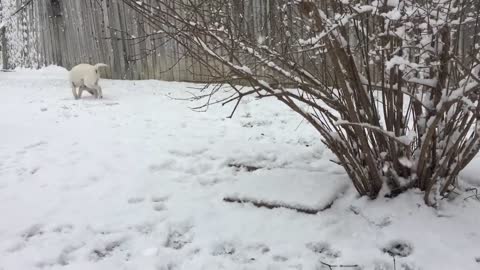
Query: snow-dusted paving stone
309, 192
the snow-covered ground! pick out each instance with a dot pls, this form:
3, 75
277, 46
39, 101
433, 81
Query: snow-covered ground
137, 181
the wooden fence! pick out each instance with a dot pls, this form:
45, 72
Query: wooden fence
108, 31
68, 32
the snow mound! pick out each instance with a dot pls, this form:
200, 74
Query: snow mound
50, 69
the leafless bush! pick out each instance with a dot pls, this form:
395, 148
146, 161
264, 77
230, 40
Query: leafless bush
391, 86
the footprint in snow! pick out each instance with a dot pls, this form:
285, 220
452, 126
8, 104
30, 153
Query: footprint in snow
262, 248
16, 247
159, 207
40, 143
279, 258
65, 256
34, 170
210, 181
145, 228
398, 248
159, 202
32, 231
157, 199
253, 251
63, 228
224, 248
135, 200
26, 235
179, 235
323, 248
106, 250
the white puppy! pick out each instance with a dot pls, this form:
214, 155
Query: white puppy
86, 77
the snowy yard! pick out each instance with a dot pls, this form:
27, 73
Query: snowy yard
137, 181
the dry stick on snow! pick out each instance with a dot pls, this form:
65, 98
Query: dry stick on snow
331, 266
476, 195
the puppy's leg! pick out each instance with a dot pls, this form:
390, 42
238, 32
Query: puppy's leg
91, 91
74, 91
99, 91
94, 88
80, 91
97, 86
81, 87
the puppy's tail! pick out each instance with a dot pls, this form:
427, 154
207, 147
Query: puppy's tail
100, 65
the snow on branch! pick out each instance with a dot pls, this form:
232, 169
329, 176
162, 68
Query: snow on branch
402, 139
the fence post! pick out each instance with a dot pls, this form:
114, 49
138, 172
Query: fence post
3, 44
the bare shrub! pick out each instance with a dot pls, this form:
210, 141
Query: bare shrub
391, 86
